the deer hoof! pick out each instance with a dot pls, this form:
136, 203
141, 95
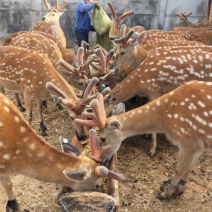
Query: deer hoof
13, 205
164, 185
161, 197
152, 154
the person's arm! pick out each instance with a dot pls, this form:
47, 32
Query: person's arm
87, 7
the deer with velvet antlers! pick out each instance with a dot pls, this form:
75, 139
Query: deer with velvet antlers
184, 115
52, 19
24, 152
207, 25
27, 72
117, 22
160, 72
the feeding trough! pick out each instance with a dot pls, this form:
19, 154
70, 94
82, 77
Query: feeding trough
91, 201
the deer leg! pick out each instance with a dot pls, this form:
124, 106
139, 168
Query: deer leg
2, 89
7, 184
186, 161
40, 112
19, 105
28, 105
153, 145
181, 185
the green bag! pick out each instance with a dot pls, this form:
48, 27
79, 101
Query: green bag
101, 21
104, 41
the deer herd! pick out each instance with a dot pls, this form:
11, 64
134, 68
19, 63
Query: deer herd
172, 69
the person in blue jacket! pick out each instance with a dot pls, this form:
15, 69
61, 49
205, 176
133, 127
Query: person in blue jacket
83, 24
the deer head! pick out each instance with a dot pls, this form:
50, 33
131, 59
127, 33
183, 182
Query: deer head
183, 19
98, 118
77, 107
52, 18
76, 76
127, 51
117, 21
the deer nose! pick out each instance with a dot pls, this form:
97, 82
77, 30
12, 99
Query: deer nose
103, 140
43, 18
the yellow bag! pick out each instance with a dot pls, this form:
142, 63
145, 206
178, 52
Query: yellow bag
101, 21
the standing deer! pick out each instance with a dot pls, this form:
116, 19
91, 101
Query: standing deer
195, 34
52, 18
184, 115
23, 152
207, 25
130, 50
160, 73
27, 71
38, 42
67, 54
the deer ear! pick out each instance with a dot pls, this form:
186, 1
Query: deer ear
62, 11
120, 108
69, 148
76, 176
139, 40
115, 125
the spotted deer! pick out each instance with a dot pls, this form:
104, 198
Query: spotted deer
195, 34
24, 152
130, 50
207, 25
183, 114
52, 19
26, 71
117, 22
67, 54
160, 73
38, 42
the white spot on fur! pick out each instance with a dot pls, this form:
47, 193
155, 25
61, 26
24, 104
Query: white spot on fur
201, 104
6, 156
32, 146
22, 129
17, 119
6, 109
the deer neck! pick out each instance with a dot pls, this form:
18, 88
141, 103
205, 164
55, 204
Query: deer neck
58, 33
33, 157
143, 120
140, 55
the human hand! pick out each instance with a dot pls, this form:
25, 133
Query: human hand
95, 3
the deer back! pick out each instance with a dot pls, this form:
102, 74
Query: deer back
38, 42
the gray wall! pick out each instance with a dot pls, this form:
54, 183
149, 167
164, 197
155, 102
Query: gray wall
18, 15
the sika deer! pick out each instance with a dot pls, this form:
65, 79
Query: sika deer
27, 71
24, 152
52, 18
160, 73
117, 22
67, 54
183, 114
38, 42
207, 25
195, 34
131, 52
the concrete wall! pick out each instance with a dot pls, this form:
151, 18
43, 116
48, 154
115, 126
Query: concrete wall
18, 15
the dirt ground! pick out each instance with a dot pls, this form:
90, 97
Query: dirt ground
145, 173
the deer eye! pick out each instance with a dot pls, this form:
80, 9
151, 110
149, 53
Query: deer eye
122, 53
